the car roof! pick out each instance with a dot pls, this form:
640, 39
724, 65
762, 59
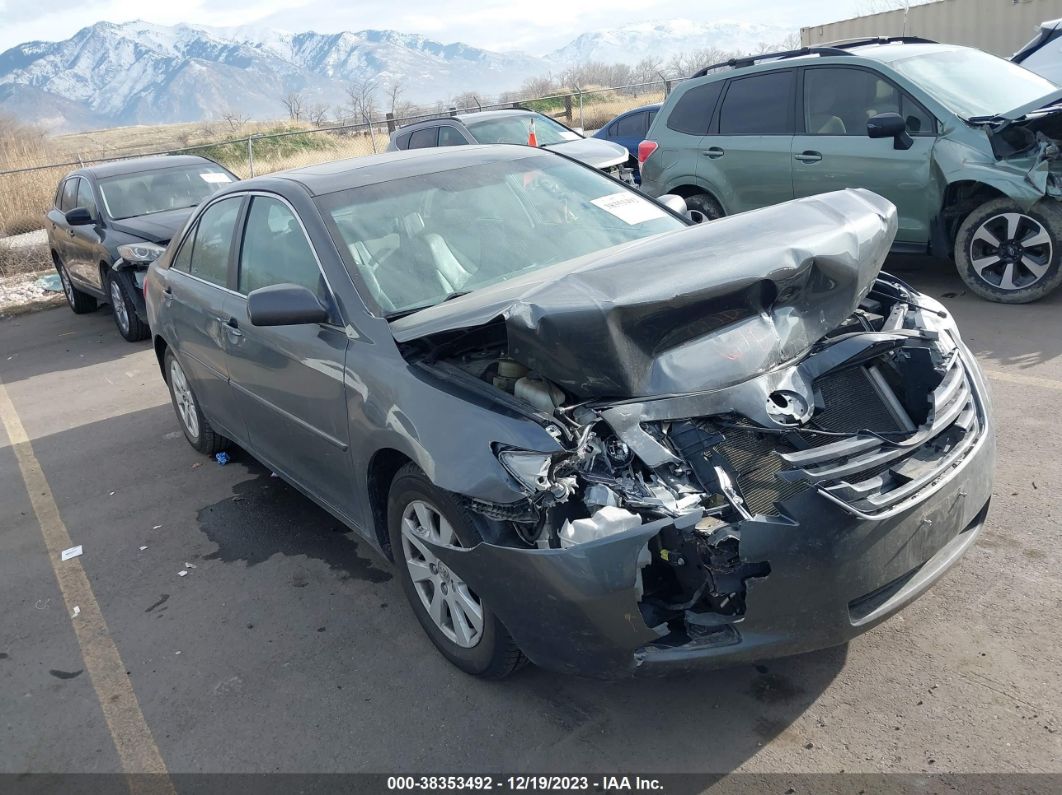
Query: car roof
462, 118
139, 164
357, 172
880, 52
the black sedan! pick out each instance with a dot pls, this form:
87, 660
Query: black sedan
588, 432
108, 223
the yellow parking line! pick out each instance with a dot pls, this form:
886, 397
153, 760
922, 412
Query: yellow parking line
132, 738
1023, 380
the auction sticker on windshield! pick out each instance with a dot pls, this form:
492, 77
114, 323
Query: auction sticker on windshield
213, 176
629, 208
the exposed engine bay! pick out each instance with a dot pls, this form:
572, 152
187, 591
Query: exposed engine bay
871, 414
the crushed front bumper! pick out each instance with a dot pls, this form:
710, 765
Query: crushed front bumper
834, 573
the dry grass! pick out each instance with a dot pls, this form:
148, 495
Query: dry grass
25, 197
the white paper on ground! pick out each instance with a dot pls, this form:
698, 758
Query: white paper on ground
73, 552
629, 208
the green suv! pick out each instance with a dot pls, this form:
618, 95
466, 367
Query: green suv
963, 143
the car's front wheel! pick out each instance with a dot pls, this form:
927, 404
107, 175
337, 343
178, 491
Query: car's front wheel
130, 326
196, 427
456, 619
1010, 255
80, 303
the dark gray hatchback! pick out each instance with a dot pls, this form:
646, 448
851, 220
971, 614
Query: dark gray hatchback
588, 432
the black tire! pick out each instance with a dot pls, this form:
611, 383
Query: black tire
706, 205
495, 655
990, 282
202, 437
130, 326
80, 303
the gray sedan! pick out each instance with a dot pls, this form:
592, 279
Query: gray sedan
588, 432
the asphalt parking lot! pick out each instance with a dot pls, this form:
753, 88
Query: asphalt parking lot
289, 646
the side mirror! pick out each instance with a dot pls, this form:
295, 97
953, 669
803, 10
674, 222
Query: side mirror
285, 305
890, 125
673, 202
79, 216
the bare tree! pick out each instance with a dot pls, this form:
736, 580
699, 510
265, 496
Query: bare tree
466, 100
361, 96
293, 102
317, 114
235, 119
393, 90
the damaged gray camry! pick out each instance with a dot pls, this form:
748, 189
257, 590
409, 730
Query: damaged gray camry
588, 432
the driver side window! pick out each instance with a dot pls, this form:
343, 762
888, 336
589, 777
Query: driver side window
840, 101
275, 250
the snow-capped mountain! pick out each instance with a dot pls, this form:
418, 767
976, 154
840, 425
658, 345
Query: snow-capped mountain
141, 73
662, 40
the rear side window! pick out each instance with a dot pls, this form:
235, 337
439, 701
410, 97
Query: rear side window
693, 111
758, 105
275, 249
424, 139
205, 253
402, 141
69, 200
630, 126
449, 136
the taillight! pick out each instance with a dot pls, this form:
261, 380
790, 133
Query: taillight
646, 148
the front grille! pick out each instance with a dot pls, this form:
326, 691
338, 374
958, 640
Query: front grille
874, 476
866, 473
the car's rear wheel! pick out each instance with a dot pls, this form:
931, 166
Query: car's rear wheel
196, 427
130, 326
706, 205
458, 622
81, 303
1010, 255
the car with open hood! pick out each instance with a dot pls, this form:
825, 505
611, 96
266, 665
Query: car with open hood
587, 431
513, 126
964, 144
109, 221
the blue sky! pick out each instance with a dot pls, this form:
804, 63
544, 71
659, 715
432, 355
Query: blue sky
532, 25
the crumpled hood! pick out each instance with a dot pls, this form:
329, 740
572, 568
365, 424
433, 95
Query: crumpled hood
157, 227
592, 151
696, 309
1029, 107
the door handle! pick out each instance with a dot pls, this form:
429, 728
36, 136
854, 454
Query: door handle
808, 157
714, 152
232, 326
167, 293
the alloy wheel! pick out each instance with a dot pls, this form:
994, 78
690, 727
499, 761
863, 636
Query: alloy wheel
183, 398
121, 314
455, 609
1011, 251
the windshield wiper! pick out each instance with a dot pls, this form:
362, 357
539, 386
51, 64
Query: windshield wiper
414, 309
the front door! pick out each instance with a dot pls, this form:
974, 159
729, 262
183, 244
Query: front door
289, 379
834, 152
747, 155
200, 306
85, 240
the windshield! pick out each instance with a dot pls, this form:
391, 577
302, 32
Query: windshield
417, 241
972, 83
148, 192
514, 130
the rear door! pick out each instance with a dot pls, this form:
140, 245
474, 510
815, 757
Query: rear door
288, 380
681, 139
833, 151
200, 305
747, 154
59, 230
629, 131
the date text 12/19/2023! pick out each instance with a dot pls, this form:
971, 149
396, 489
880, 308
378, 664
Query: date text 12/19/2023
606, 783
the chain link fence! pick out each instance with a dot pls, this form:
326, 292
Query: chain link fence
27, 185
